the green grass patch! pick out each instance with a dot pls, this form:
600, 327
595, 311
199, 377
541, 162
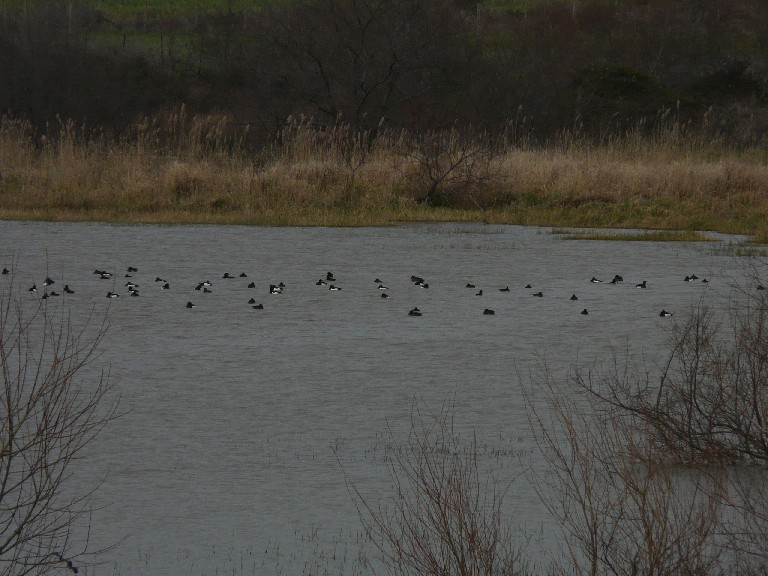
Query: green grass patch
636, 235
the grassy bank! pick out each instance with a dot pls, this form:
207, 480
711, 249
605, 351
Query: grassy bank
177, 169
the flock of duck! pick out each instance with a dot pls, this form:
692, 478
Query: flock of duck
132, 288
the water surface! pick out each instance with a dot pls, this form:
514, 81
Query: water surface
238, 422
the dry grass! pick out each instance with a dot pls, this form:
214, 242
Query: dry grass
180, 169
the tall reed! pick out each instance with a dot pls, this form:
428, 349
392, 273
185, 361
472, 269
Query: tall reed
176, 167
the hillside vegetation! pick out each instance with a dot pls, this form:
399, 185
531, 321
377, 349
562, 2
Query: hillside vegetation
578, 111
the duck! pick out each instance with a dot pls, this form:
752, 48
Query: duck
642, 284
617, 278
595, 280
68, 290
584, 312
382, 287
252, 285
48, 281
166, 286
33, 288
505, 289
258, 307
489, 312
414, 312
469, 285
227, 275
665, 314
190, 305
251, 301
112, 295
207, 290
329, 277
417, 279
385, 295
132, 269
422, 285
321, 282
158, 279
539, 294
106, 276
479, 293
528, 286
275, 289
6, 271
574, 297
760, 287
243, 275
334, 288
377, 281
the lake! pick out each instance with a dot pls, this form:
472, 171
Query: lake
240, 423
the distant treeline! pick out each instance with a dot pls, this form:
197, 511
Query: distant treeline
590, 68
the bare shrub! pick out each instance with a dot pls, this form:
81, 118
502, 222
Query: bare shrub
448, 165
623, 509
47, 419
445, 516
710, 402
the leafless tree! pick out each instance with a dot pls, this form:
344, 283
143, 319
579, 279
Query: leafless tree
48, 416
623, 509
445, 516
447, 165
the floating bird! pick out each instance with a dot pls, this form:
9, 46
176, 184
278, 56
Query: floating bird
158, 279
479, 293
539, 294
48, 281
414, 312
470, 285
584, 312
258, 307
227, 275
489, 312
385, 295
68, 290
251, 301
595, 280
528, 286
574, 297
760, 287
505, 289
329, 277
207, 290
377, 281
190, 305
252, 285
243, 275
33, 288
642, 284
618, 278
112, 295
166, 286
6, 271
132, 269
332, 287
382, 287
665, 314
